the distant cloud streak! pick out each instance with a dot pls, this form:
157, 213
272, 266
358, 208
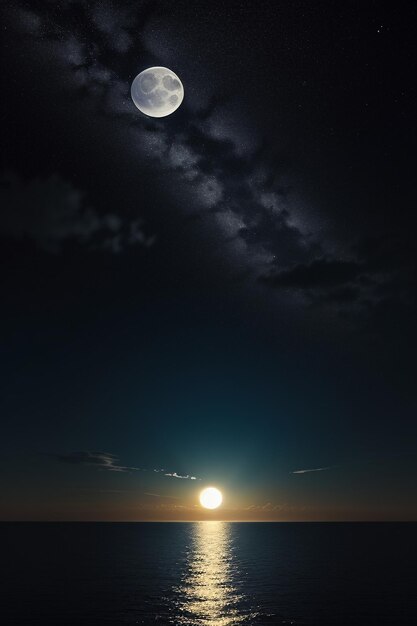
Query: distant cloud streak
102, 460
316, 469
160, 495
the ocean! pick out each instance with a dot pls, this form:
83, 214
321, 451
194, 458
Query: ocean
208, 574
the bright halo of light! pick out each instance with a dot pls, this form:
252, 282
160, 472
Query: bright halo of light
211, 498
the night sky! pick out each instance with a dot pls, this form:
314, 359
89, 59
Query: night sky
225, 296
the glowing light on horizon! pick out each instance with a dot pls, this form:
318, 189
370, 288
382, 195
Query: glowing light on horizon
211, 498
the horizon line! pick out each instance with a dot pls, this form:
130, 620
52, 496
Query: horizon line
236, 521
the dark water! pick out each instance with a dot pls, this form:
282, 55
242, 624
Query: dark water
208, 574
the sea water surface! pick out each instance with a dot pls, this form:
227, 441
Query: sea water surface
208, 573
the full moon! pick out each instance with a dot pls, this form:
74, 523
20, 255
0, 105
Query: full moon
211, 498
157, 91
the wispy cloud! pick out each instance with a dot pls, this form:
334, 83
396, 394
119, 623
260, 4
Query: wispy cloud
315, 469
102, 460
160, 495
268, 506
111, 463
187, 476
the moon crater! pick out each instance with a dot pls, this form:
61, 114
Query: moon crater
148, 82
172, 84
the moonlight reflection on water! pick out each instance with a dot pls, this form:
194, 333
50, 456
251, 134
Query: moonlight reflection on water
208, 594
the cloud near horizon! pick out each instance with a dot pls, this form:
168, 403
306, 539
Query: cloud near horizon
268, 506
160, 495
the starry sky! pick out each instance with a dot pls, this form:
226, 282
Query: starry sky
225, 296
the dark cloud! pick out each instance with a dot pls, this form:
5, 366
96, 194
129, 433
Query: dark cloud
387, 252
52, 211
339, 296
102, 460
321, 273
380, 275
